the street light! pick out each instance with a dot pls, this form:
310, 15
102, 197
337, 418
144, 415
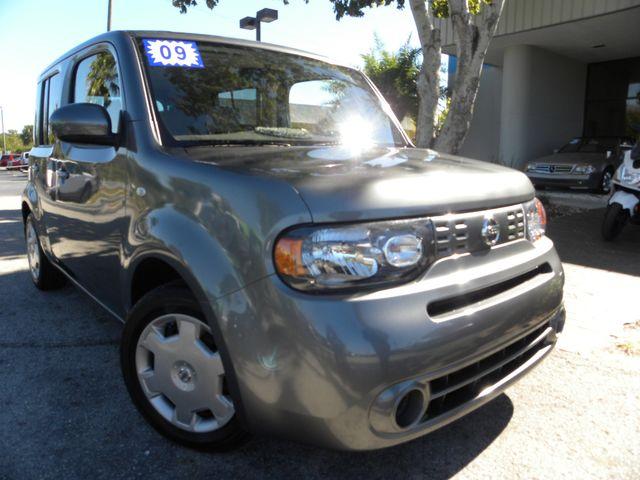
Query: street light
266, 15
109, 11
4, 140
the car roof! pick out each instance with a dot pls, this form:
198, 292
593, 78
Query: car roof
115, 35
605, 137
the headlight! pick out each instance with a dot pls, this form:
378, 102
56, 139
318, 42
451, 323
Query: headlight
535, 219
584, 169
333, 258
623, 175
531, 167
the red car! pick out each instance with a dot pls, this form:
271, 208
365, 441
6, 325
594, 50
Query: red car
9, 160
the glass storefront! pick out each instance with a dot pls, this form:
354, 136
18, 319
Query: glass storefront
613, 98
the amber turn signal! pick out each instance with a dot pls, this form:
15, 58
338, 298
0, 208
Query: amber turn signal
288, 257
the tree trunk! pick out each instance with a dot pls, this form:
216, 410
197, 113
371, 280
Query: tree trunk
473, 35
429, 75
463, 98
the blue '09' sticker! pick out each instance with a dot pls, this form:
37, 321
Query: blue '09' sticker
172, 53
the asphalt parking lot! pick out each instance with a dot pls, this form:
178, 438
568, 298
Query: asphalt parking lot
64, 411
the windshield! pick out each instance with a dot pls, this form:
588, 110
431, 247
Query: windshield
590, 145
242, 95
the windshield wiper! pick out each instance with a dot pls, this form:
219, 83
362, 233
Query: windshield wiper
233, 143
258, 143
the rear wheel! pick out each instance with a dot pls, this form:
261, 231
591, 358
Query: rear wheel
615, 219
44, 275
174, 372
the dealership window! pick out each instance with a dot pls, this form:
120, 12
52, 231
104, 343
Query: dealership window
613, 98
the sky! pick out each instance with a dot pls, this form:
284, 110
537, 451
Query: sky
36, 32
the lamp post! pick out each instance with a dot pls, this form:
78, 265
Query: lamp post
266, 15
4, 140
109, 10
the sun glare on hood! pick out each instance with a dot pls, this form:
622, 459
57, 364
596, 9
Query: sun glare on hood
356, 134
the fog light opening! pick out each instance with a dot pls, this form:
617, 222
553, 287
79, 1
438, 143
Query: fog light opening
410, 408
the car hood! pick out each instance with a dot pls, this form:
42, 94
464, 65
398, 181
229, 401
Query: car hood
572, 158
340, 185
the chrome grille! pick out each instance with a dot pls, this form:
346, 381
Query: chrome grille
515, 225
551, 168
451, 236
462, 232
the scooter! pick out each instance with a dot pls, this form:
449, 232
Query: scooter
624, 203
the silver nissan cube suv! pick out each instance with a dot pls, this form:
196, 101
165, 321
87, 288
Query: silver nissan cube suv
283, 259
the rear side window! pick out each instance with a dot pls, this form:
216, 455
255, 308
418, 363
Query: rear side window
50, 95
53, 102
37, 125
97, 81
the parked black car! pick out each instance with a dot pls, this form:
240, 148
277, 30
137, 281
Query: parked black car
582, 163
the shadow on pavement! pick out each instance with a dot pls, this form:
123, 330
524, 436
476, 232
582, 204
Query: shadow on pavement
578, 240
70, 415
440, 454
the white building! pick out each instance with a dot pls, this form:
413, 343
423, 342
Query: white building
556, 69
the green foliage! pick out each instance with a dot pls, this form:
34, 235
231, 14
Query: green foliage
441, 7
395, 74
27, 134
103, 78
14, 140
342, 8
354, 8
183, 5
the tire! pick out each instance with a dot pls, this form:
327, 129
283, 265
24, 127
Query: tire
43, 274
605, 182
614, 221
166, 376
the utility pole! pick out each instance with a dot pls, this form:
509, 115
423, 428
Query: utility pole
266, 15
109, 9
4, 140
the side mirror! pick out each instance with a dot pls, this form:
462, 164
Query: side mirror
82, 123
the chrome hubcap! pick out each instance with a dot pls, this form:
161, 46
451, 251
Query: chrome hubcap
33, 252
181, 373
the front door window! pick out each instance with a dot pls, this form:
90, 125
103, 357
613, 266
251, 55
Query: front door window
97, 81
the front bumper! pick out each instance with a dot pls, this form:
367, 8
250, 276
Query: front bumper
330, 370
591, 181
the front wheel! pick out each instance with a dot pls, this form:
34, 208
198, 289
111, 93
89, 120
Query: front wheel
615, 219
174, 372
